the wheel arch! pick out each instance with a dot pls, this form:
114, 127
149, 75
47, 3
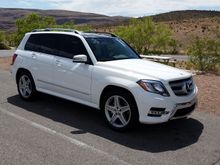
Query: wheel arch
114, 87
19, 71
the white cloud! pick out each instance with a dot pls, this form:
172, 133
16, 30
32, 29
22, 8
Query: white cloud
124, 7
133, 7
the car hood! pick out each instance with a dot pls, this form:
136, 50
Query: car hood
145, 69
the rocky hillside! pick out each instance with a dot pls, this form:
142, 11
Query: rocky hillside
185, 15
8, 17
186, 25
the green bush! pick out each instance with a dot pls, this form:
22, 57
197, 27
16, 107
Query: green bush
205, 54
147, 37
29, 23
3, 42
34, 21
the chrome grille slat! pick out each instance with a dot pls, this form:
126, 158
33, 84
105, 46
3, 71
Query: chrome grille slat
182, 87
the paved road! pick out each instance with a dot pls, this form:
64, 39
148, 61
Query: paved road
55, 131
6, 53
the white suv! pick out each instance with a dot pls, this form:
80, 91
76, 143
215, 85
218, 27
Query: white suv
102, 71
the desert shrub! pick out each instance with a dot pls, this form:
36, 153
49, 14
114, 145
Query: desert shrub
3, 41
146, 36
29, 23
71, 25
10, 39
205, 54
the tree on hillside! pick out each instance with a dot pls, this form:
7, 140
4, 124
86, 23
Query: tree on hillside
71, 25
205, 54
145, 35
2, 36
3, 42
30, 22
34, 21
162, 38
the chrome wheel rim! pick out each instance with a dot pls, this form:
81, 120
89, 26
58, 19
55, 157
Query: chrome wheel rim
117, 111
25, 86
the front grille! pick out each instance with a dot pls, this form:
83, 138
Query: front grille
182, 87
184, 111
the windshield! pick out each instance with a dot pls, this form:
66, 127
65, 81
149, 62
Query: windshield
108, 49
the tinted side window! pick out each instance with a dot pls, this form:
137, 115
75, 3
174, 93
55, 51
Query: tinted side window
47, 42
68, 46
41, 43
56, 44
33, 43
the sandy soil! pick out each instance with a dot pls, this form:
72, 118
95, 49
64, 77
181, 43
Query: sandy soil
5, 63
209, 93
208, 85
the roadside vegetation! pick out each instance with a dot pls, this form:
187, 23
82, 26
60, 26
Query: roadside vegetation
145, 35
205, 53
3, 41
148, 37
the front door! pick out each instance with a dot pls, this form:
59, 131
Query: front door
71, 79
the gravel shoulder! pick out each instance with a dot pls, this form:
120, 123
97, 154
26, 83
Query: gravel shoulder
209, 93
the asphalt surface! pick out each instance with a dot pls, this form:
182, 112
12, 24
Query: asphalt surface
6, 53
50, 130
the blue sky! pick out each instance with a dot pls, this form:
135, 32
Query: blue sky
133, 8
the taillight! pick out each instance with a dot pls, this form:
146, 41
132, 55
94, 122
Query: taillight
13, 59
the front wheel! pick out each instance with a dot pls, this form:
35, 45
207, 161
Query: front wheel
120, 110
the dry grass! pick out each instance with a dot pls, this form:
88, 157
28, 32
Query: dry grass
208, 85
185, 31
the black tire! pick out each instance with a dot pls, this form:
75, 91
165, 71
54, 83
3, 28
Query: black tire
134, 115
31, 94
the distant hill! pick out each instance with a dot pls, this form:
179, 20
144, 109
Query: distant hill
8, 17
185, 15
186, 25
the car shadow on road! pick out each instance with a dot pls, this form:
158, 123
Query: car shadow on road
173, 135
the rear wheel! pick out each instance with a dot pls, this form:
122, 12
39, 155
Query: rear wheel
120, 110
26, 86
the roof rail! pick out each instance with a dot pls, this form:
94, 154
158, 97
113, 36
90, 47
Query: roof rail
56, 29
106, 33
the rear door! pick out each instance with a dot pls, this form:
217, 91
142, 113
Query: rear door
41, 52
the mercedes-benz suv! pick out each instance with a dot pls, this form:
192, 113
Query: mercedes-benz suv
102, 71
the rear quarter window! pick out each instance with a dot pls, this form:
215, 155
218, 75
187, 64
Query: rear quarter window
41, 43
33, 43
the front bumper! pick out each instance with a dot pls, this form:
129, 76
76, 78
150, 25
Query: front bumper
154, 108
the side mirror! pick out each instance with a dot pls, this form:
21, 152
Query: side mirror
80, 58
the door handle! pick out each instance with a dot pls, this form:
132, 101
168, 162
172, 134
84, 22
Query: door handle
57, 62
33, 55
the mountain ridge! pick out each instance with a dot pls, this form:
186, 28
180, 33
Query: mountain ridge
8, 17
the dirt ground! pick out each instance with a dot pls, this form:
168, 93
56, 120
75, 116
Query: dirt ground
208, 85
209, 93
5, 63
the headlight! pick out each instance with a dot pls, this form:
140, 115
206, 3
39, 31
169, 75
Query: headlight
153, 87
